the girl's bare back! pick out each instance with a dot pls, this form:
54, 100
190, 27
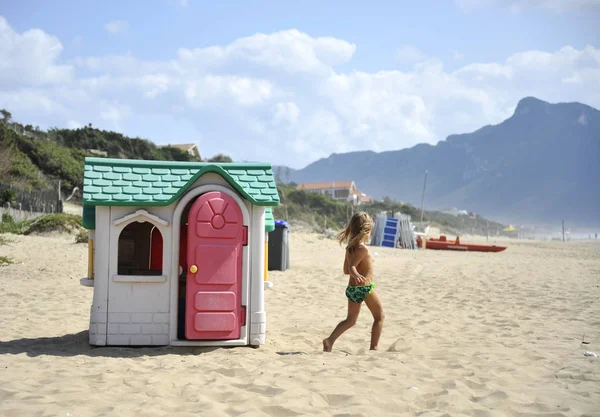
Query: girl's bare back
365, 265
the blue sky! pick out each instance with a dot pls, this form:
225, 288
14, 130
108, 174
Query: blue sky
290, 82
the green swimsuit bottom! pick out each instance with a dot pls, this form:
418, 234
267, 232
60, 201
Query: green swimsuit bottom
359, 293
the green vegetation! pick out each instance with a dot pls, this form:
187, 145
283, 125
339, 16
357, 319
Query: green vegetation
115, 144
220, 158
319, 210
57, 222
314, 208
5, 260
4, 240
31, 159
83, 236
7, 196
310, 207
9, 225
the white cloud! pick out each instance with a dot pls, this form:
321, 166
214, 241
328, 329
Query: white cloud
123, 65
286, 112
30, 58
212, 89
378, 107
481, 71
73, 124
28, 99
410, 54
116, 26
289, 50
323, 131
457, 55
115, 113
280, 95
155, 84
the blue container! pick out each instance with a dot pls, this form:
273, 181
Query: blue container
282, 223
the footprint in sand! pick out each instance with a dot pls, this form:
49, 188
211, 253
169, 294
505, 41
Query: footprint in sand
399, 346
417, 271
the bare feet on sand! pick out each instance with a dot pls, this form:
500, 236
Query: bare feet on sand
326, 345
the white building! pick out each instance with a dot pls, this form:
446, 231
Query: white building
338, 190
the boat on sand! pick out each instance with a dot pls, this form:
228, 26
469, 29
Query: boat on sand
444, 244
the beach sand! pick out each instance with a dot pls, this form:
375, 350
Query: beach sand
465, 334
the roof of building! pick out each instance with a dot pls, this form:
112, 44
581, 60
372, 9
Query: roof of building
325, 185
127, 182
362, 196
183, 146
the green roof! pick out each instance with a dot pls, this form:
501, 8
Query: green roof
269, 220
127, 182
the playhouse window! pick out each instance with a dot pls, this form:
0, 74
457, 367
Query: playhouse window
140, 250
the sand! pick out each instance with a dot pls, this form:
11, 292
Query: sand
466, 334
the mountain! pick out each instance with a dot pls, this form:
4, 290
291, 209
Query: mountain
541, 165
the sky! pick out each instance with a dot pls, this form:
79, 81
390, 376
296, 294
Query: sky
289, 82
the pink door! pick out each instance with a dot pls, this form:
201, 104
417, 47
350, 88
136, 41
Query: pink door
216, 236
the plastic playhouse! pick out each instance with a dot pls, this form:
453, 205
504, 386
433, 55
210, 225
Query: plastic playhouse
177, 251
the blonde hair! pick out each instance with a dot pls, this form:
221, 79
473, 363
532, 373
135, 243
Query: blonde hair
357, 229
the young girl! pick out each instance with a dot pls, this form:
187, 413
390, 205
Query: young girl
359, 265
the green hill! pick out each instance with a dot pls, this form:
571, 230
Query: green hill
31, 159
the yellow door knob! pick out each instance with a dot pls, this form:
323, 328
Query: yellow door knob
193, 269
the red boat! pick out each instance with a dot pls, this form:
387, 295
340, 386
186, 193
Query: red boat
443, 244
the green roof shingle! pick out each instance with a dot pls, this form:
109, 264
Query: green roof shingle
127, 182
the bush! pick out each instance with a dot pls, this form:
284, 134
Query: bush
4, 240
57, 222
5, 260
82, 236
8, 196
9, 225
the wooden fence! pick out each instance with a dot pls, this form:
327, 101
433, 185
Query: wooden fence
20, 215
43, 201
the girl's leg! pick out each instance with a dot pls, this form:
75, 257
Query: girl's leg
353, 310
374, 304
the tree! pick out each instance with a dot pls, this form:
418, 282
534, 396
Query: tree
6, 116
6, 151
220, 158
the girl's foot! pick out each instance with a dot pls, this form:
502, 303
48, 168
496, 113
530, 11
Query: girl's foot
326, 345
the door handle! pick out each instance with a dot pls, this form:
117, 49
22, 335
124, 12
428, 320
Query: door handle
193, 269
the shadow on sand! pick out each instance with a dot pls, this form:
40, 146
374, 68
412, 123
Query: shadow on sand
78, 344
